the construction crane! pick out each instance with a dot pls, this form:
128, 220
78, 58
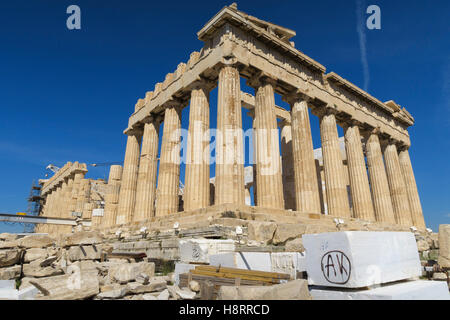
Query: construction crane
103, 164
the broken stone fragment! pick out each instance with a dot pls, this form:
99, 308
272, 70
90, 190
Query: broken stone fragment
261, 231
288, 231
185, 293
444, 246
35, 254
194, 286
35, 241
81, 238
162, 296
9, 257
10, 272
155, 285
142, 278
92, 252
8, 236
127, 272
75, 286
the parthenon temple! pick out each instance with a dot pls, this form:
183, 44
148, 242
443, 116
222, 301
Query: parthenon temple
365, 175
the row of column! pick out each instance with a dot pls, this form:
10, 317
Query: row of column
388, 193
63, 199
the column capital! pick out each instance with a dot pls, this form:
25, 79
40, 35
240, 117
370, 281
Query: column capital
175, 103
261, 78
138, 130
326, 110
296, 96
204, 83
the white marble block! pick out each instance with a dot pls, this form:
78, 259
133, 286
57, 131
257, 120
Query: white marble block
288, 262
182, 268
199, 250
356, 259
409, 290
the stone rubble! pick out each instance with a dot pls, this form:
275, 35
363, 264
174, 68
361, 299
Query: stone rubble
77, 266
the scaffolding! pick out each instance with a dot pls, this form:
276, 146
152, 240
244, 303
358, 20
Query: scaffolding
34, 205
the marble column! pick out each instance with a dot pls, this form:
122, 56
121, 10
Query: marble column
75, 191
287, 163
335, 184
397, 187
306, 185
359, 181
127, 196
112, 196
381, 196
83, 196
167, 199
411, 189
148, 164
196, 186
268, 165
230, 185
68, 197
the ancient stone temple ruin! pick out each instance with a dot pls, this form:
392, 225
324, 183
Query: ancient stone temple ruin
373, 184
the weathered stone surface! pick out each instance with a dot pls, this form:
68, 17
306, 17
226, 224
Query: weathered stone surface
155, 285
162, 296
82, 238
35, 254
9, 257
36, 241
74, 286
292, 290
8, 236
124, 273
8, 244
288, 231
10, 273
113, 294
194, 286
34, 269
142, 278
295, 245
444, 245
151, 297
92, 252
185, 293
261, 231
422, 245
439, 276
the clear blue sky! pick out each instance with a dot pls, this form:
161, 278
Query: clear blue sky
66, 95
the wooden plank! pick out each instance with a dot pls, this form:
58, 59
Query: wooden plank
262, 274
234, 276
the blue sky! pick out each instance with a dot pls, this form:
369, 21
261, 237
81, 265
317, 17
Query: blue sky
66, 95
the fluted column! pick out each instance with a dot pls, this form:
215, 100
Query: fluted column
112, 196
397, 185
287, 163
335, 184
148, 163
196, 186
83, 195
359, 181
68, 197
411, 189
75, 191
230, 186
268, 165
167, 199
306, 186
127, 196
381, 196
